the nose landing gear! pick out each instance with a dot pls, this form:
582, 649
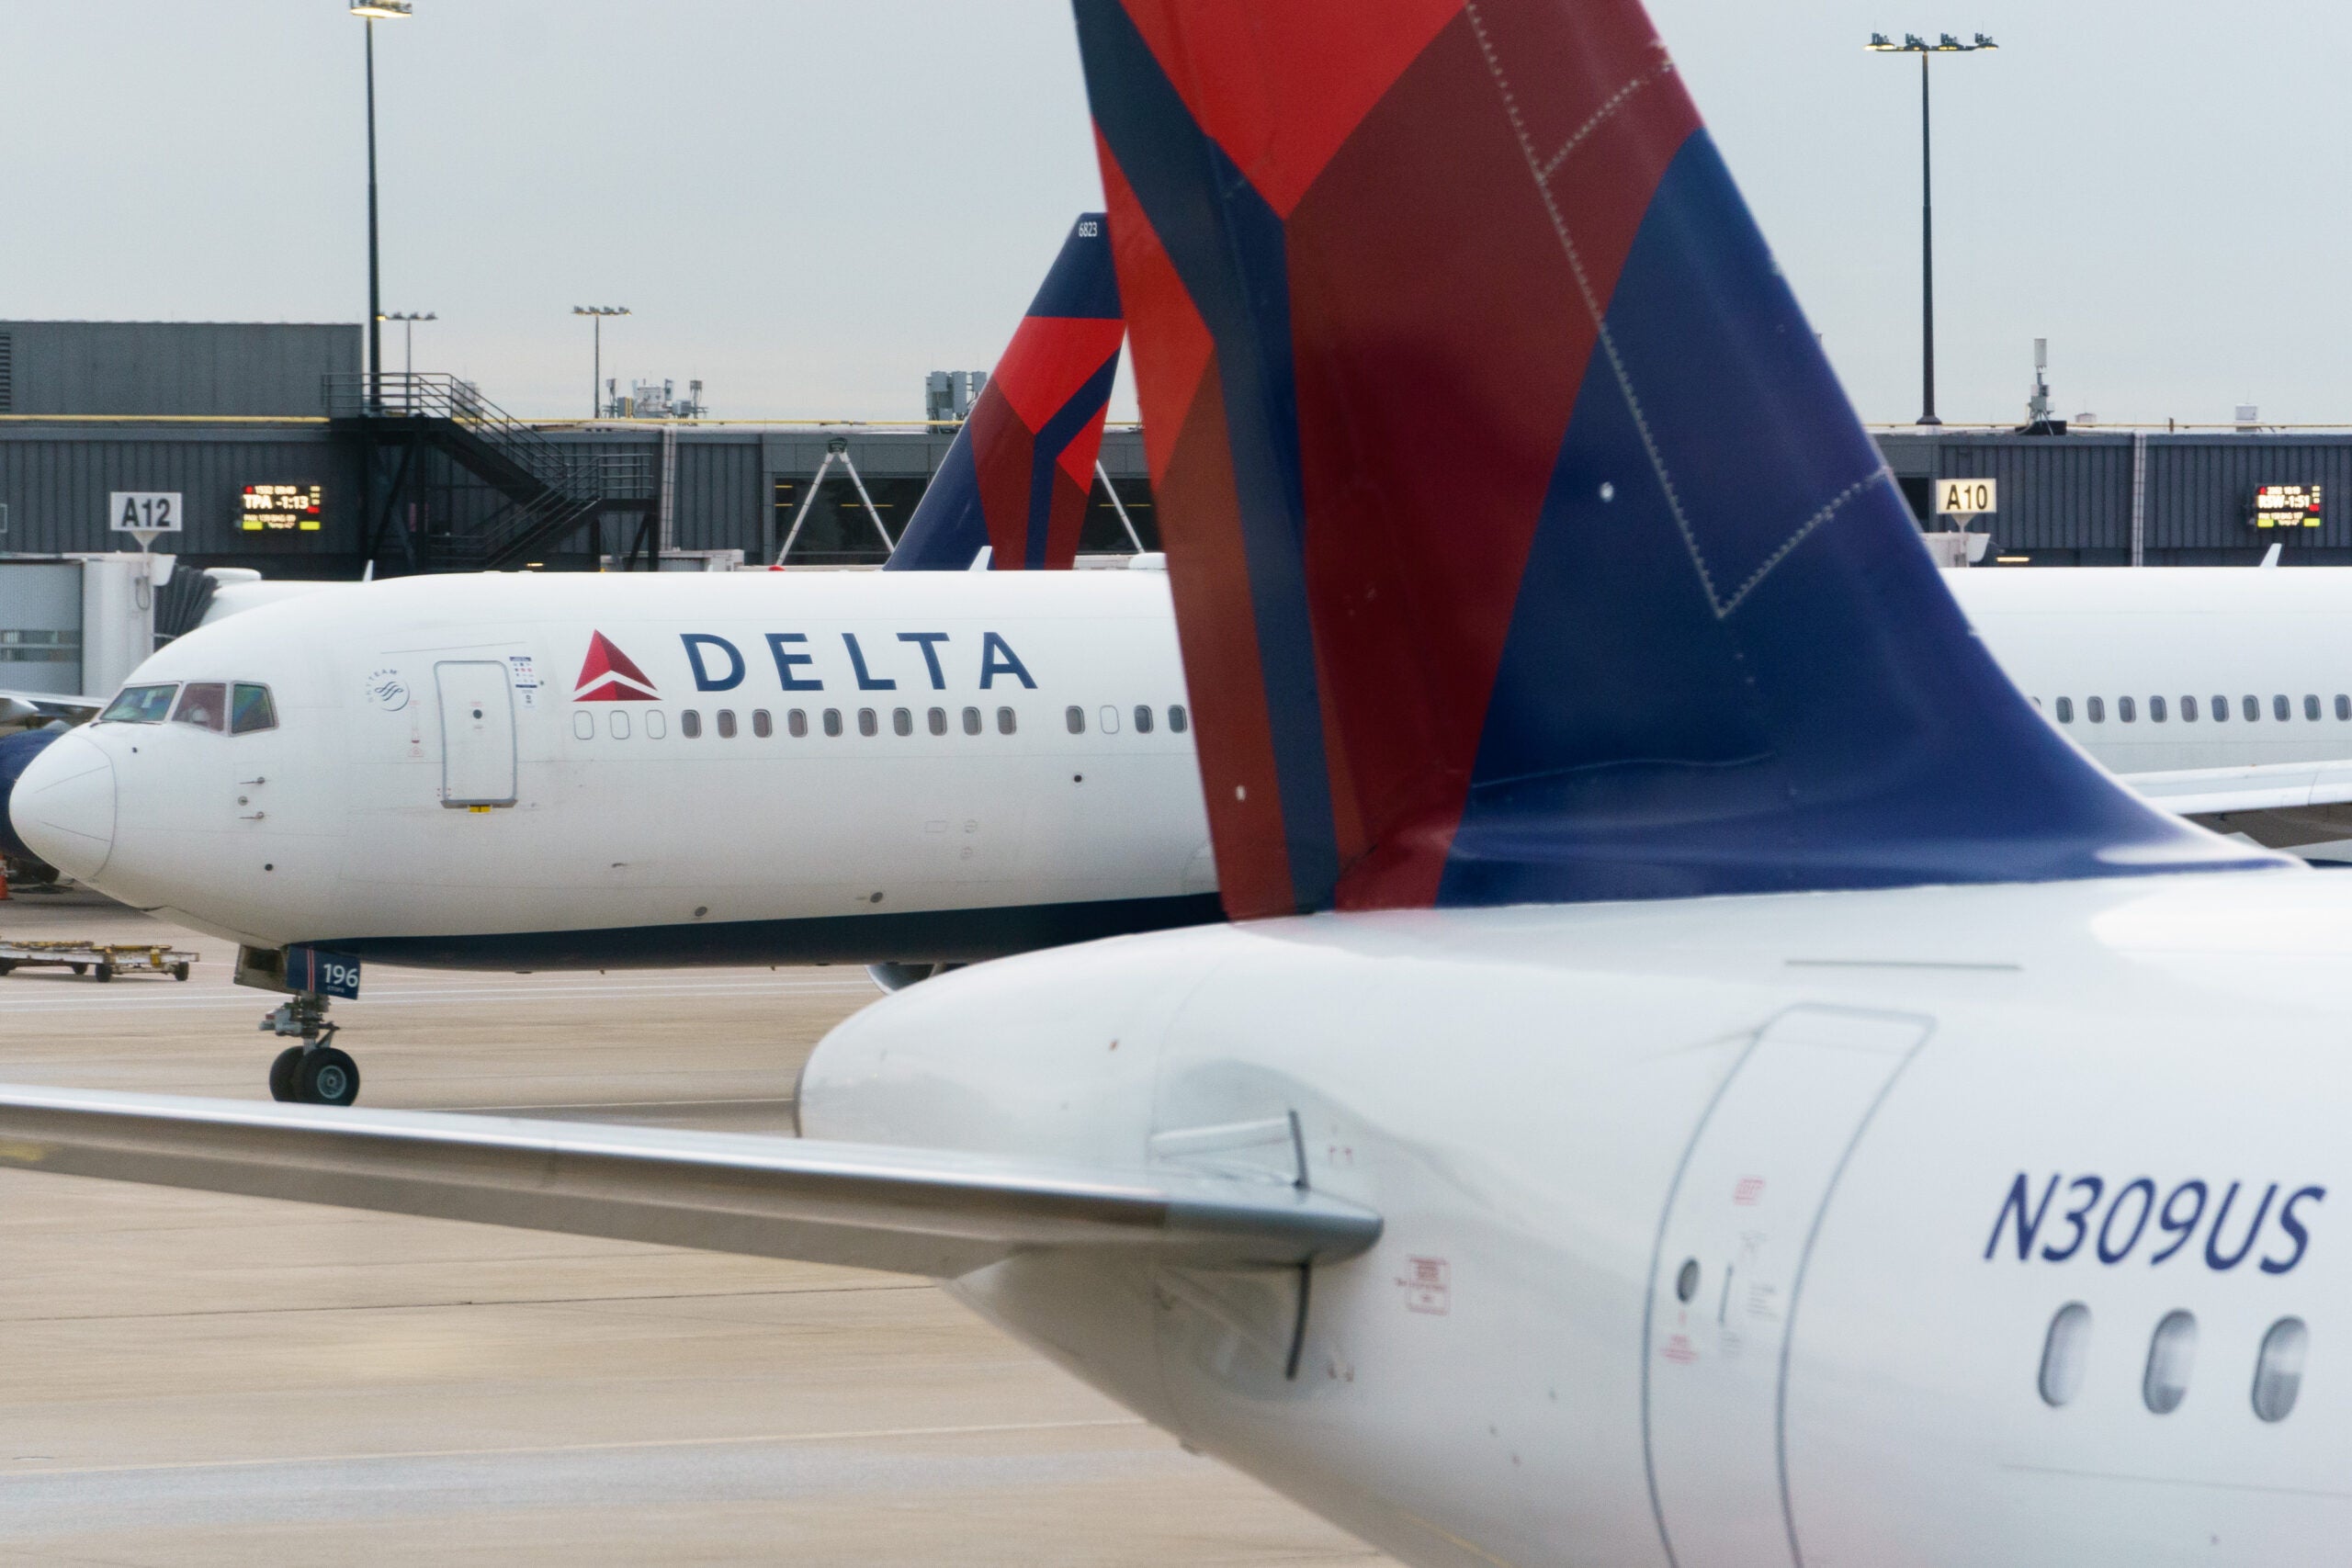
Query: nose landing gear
313, 1072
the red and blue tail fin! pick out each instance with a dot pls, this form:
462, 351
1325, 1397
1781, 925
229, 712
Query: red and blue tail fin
1019, 474
1524, 546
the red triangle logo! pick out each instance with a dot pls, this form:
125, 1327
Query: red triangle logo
608, 675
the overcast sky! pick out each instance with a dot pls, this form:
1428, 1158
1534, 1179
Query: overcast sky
808, 205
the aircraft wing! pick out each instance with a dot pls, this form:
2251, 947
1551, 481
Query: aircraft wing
29, 707
2279, 804
906, 1211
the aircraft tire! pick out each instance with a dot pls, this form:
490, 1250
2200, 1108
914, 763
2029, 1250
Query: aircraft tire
326, 1077
281, 1073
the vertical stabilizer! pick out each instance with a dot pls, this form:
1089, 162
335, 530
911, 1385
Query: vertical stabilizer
1019, 474
1524, 547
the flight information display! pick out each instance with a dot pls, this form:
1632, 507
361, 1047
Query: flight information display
2287, 506
282, 509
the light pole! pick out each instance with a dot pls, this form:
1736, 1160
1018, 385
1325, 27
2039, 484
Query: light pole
597, 313
408, 320
1913, 44
368, 10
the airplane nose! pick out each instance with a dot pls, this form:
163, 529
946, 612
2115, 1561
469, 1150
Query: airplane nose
63, 806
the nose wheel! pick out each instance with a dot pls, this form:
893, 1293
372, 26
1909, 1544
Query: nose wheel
313, 1072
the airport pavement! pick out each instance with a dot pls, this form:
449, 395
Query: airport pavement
194, 1380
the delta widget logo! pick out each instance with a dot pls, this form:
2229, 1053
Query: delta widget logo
608, 675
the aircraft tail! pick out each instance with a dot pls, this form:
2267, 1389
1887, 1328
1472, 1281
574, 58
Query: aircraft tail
1524, 546
1018, 476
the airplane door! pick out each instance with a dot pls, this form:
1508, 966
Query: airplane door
1730, 1262
477, 732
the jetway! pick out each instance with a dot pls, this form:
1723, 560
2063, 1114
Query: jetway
76, 624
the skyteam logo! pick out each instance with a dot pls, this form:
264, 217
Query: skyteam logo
608, 675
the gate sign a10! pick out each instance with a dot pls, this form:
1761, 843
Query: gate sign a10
2286, 506
1967, 497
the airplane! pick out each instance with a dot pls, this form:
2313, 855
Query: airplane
961, 884
1699, 1072
346, 821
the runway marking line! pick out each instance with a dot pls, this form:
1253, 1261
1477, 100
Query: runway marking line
869, 1434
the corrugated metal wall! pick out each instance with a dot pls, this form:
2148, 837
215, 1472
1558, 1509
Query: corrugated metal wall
2064, 498
245, 369
56, 487
2200, 489
2057, 491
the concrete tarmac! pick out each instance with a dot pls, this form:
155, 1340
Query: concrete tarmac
187, 1379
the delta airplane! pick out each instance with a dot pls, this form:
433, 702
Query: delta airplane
545, 771
1699, 1072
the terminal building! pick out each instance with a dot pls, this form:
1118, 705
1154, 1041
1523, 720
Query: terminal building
267, 445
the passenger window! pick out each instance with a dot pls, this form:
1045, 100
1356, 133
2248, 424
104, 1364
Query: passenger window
656, 726
902, 721
1176, 720
2278, 1368
619, 724
2220, 710
140, 705
2172, 1352
203, 704
2188, 710
690, 723
2281, 709
1005, 721
2343, 706
1075, 716
2311, 708
868, 724
1110, 719
761, 725
971, 721
939, 721
832, 721
2124, 710
796, 723
727, 724
2066, 1354
2065, 710
251, 710
583, 725
2252, 708
2095, 709
2155, 710
1143, 720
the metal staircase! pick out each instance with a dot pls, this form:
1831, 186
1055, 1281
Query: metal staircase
548, 489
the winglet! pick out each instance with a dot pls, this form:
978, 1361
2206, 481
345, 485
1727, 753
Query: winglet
1020, 470
1524, 546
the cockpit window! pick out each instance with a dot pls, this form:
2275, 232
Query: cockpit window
204, 703
251, 710
140, 705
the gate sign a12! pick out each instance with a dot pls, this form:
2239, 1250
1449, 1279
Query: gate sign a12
145, 514
1967, 497
2286, 506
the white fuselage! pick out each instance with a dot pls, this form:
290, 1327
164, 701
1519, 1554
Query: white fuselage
650, 845
2187, 649
450, 761
1723, 1232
